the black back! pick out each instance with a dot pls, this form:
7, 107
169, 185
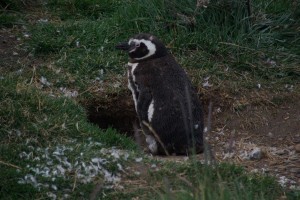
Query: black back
178, 118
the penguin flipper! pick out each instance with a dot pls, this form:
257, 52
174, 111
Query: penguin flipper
143, 103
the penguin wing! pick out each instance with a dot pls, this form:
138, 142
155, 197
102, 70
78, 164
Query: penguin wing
143, 102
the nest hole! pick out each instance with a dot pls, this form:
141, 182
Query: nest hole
119, 120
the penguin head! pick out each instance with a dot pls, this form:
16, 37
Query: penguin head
143, 46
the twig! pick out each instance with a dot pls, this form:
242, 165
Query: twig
156, 136
9, 164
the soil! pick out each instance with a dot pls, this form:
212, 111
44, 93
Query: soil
271, 130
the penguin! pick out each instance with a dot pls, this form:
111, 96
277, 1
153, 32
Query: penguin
167, 105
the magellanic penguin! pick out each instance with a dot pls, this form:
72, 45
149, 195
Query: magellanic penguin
167, 106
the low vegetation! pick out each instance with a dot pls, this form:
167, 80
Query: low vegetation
48, 147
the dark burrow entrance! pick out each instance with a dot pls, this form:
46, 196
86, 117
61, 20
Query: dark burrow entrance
120, 116
122, 121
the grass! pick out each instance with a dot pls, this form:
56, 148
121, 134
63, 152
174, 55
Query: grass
42, 139
25, 109
190, 180
199, 38
74, 50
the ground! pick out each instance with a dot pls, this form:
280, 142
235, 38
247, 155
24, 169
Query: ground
272, 129
239, 126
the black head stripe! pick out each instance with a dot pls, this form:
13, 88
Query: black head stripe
140, 51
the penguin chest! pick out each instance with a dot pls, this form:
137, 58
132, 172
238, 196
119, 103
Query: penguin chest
132, 86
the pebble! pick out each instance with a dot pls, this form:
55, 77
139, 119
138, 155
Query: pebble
297, 148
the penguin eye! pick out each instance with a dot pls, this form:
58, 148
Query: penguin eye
137, 45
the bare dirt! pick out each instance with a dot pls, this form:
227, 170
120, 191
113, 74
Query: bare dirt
273, 131
270, 130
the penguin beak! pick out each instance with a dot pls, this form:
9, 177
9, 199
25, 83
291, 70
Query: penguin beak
123, 46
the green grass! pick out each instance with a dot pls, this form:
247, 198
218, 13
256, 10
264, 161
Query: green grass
8, 19
75, 50
11, 12
14, 5
190, 180
91, 9
35, 123
263, 48
224, 182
